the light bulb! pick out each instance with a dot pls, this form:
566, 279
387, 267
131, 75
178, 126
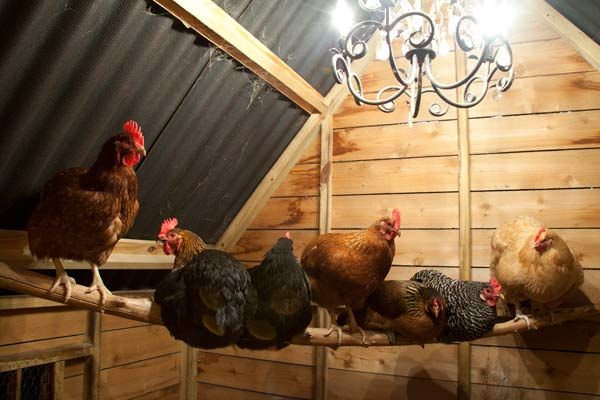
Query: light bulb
383, 50
494, 18
503, 57
342, 17
444, 46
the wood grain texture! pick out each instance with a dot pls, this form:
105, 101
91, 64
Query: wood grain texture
577, 91
214, 392
312, 154
301, 355
584, 242
169, 393
436, 174
534, 132
73, 388
438, 361
528, 25
351, 385
131, 380
18, 327
495, 392
303, 180
254, 244
429, 210
568, 208
288, 213
395, 141
256, 375
536, 170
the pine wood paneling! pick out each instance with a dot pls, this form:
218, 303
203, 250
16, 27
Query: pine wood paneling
302, 355
112, 322
395, 141
25, 326
303, 180
73, 388
569, 208
256, 375
169, 393
289, 213
435, 210
436, 174
537, 170
312, 154
492, 392
528, 25
351, 385
213, 392
584, 242
254, 244
534, 132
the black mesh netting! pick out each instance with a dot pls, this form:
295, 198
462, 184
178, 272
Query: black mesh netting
36, 383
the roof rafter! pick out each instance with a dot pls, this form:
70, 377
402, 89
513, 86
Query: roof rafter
210, 21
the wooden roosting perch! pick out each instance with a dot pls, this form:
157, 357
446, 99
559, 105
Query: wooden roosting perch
143, 309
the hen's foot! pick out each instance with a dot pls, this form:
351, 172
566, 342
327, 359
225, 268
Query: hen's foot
337, 330
64, 280
102, 290
519, 315
363, 335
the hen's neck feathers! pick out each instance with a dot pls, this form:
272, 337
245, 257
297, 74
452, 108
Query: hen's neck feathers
192, 245
107, 167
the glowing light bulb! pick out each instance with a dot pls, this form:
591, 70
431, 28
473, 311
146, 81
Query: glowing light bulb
494, 18
383, 50
444, 47
343, 17
503, 57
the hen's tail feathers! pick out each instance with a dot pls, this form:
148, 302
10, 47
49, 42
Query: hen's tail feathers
230, 318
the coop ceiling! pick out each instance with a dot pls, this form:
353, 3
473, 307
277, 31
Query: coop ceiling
71, 72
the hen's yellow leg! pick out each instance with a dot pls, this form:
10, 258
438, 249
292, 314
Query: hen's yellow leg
354, 326
98, 285
334, 327
61, 279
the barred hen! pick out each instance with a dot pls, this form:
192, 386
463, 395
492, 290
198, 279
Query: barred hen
345, 268
208, 295
83, 212
470, 306
532, 262
283, 308
409, 308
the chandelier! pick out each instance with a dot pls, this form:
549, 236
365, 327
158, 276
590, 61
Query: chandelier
425, 35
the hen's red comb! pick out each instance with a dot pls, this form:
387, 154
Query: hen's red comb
288, 236
396, 216
167, 225
135, 131
537, 237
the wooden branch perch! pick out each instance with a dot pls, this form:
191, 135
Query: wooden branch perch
142, 309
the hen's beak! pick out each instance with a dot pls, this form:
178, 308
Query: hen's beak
141, 151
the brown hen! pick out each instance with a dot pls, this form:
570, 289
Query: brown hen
345, 268
83, 212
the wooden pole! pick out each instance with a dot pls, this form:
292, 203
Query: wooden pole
464, 193
91, 383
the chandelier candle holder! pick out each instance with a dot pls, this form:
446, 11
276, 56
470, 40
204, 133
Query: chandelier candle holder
477, 31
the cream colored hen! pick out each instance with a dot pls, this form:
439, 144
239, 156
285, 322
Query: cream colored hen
532, 262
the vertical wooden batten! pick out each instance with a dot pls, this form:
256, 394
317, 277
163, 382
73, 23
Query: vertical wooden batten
187, 373
325, 204
91, 384
58, 380
464, 194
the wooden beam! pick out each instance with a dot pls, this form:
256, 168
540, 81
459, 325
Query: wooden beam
127, 254
58, 378
31, 283
91, 382
585, 45
188, 372
210, 21
325, 200
290, 157
464, 203
11, 362
22, 302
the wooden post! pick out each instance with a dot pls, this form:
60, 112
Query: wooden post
320, 389
58, 379
464, 190
188, 371
91, 383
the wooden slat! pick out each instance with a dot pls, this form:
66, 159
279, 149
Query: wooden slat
112, 322
494, 392
547, 57
131, 380
403, 273
303, 180
126, 346
312, 153
259, 376
46, 356
528, 25
568, 31
127, 254
20, 302
584, 242
209, 20
288, 213
254, 244
350, 115
214, 392
292, 354
18, 327
436, 210
58, 378
169, 393
538, 170
538, 369
188, 370
91, 382
578, 91
350, 385
395, 141
36, 345
73, 388
396, 176
425, 247
569, 208
438, 361
534, 132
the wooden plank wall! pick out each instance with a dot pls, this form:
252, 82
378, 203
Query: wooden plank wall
137, 360
232, 373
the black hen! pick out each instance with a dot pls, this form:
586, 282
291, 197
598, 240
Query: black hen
283, 291
205, 300
470, 306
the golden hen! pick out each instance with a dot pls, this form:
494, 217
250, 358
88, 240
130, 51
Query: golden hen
532, 262
345, 268
84, 212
